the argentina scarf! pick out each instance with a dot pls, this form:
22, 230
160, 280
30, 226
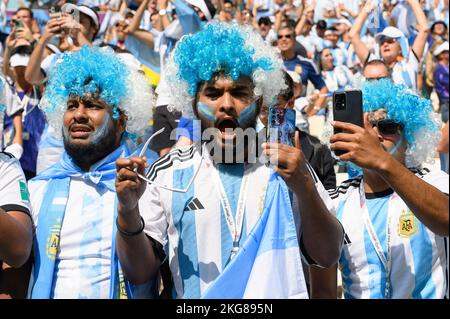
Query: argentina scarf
51, 216
269, 264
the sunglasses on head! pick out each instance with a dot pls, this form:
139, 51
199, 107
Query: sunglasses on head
287, 36
387, 126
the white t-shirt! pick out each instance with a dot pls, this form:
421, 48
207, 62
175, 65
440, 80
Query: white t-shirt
192, 225
13, 186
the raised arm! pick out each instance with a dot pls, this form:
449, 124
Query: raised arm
422, 26
137, 257
360, 48
364, 149
134, 30
33, 73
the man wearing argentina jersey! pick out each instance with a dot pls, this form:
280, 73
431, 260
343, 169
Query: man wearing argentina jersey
395, 215
393, 45
94, 100
16, 228
205, 202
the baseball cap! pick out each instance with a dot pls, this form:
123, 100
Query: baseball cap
441, 48
19, 60
390, 32
342, 21
201, 4
294, 76
69, 8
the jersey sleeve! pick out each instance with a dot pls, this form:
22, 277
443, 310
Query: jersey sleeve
315, 78
152, 211
438, 179
14, 194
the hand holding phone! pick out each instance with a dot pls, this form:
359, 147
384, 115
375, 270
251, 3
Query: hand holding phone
347, 107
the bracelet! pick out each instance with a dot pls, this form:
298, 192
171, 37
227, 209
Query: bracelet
127, 233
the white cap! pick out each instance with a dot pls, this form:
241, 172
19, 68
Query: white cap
202, 6
391, 32
294, 76
343, 21
19, 60
441, 48
70, 8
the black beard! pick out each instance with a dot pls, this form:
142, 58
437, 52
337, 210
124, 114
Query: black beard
86, 155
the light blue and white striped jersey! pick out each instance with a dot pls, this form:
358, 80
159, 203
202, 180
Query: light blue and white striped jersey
418, 256
192, 225
405, 71
339, 78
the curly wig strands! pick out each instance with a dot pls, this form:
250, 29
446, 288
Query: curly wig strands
227, 48
100, 71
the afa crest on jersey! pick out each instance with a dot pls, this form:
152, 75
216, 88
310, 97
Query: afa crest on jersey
407, 224
53, 240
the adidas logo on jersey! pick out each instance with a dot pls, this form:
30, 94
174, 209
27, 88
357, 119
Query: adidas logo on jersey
194, 204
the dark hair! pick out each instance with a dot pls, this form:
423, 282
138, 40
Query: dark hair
291, 23
23, 50
289, 27
211, 8
228, 1
375, 63
436, 23
264, 20
321, 24
287, 93
26, 9
92, 20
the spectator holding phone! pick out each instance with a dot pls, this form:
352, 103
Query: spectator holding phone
79, 24
395, 215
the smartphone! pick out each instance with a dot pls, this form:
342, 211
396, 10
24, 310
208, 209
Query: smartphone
54, 12
281, 126
347, 107
18, 24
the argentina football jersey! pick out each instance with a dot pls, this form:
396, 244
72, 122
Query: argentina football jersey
388, 252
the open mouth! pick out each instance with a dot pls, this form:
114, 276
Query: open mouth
226, 126
80, 131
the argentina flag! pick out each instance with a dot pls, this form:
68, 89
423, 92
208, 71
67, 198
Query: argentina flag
268, 265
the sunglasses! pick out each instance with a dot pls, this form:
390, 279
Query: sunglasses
287, 36
387, 127
388, 40
145, 177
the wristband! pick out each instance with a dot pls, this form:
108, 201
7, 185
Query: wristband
130, 234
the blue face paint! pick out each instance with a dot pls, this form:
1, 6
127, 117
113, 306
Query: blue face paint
103, 130
394, 149
205, 111
248, 114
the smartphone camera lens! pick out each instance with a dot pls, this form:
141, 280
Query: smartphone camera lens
340, 102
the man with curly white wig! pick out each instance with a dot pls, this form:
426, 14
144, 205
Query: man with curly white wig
98, 102
228, 223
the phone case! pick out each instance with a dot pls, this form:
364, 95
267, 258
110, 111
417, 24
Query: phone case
352, 113
281, 126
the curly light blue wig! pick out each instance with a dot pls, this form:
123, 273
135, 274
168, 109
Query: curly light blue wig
111, 76
420, 125
222, 47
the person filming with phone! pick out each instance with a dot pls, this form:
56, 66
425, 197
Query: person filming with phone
396, 214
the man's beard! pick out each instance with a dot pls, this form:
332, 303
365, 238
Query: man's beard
85, 155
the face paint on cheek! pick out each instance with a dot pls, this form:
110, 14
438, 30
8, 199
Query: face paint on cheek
206, 112
394, 149
103, 129
248, 114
